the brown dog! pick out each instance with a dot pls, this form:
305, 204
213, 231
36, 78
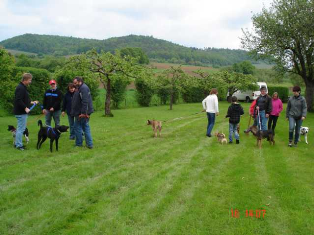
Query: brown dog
221, 138
262, 135
157, 125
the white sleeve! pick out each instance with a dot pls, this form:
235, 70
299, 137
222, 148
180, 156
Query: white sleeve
216, 104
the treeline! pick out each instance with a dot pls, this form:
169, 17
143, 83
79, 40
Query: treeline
156, 49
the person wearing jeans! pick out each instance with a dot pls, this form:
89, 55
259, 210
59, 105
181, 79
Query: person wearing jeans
295, 113
52, 104
263, 109
22, 103
82, 108
235, 111
210, 106
66, 107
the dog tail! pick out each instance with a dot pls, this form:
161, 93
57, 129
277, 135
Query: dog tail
40, 123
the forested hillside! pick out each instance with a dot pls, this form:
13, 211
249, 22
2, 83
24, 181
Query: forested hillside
156, 49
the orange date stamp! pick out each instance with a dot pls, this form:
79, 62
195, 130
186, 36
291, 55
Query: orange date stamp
248, 213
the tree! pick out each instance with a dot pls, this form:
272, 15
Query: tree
7, 84
283, 34
170, 81
108, 67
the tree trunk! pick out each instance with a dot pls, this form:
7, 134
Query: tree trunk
171, 100
309, 95
108, 100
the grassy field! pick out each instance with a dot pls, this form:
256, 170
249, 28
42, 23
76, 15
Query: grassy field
132, 183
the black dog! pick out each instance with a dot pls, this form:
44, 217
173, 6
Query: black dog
48, 132
259, 134
13, 131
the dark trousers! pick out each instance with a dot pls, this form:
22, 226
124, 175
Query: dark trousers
272, 121
211, 122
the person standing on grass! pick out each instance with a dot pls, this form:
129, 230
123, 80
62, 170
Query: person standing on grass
295, 113
210, 106
82, 108
235, 111
52, 104
276, 110
22, 103
66, 107
263, 108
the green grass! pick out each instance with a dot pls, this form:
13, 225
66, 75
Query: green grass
132, 183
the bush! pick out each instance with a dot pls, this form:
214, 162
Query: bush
118, 91
283, 92
144, 91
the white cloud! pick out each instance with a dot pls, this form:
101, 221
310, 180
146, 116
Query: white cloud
197, 23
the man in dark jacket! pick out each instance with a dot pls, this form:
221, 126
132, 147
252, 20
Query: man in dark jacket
82, 108
235, 111
22, 104
52, 104
263, 109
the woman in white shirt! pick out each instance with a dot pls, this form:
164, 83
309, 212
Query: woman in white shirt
210, 105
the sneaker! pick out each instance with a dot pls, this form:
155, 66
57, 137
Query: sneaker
230, 142
90, 147
209, 135
295, 145
237, 141
21, 148
290, 144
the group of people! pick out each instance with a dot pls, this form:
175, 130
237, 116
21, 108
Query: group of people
77, 104
264, 109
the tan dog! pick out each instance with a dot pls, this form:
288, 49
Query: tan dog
157, 125
221, 138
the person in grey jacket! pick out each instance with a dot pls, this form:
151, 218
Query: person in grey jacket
82, 108
296, 112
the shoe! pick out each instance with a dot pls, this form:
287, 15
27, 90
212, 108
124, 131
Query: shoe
290, 144
90, 147
230, 142
209, 135
237, 141
21, 148
295, 145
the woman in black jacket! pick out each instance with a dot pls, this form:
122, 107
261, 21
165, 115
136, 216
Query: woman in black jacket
67, 106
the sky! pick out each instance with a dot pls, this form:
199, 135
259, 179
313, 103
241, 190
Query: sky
191, 23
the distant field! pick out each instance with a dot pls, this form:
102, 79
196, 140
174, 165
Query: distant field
182, 183
15, 52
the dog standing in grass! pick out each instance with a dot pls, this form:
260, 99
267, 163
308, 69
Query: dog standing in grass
157, 126
259, 134
221, 138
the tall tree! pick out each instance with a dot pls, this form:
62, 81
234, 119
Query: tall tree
284, 34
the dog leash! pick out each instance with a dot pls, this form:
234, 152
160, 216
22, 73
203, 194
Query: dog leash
259, 120
180, 118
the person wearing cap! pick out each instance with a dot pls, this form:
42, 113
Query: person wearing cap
22, 104
263, 109
295, 113
52, 104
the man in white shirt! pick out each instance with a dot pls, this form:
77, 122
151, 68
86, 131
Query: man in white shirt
210, 105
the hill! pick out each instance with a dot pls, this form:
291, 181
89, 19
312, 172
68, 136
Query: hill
157, 49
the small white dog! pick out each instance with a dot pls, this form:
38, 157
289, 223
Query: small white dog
303, 131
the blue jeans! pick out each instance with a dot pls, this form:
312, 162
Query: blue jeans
80, 126
294, 124
263, 120
211, 122
21, 125
233, 129
55, 115
71, 124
